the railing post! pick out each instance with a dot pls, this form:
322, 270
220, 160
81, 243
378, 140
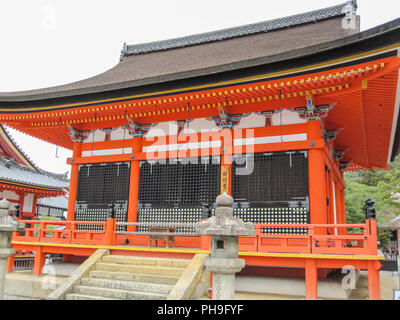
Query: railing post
373, 237
109, 234
258, 238
40, 231
205, 242
311, 233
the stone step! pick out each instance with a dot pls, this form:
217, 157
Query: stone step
118, 293
165, 271
148, 261
78, 296
127, 285
126, 276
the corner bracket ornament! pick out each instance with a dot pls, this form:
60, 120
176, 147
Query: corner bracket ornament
226, 120
330, 135
138, 129
338, 154
268, 116
78, 135
311, 112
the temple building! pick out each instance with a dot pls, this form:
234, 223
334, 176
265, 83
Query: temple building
272, 113
22, 182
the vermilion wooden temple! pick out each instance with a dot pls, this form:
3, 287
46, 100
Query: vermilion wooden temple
22, 182
273, 113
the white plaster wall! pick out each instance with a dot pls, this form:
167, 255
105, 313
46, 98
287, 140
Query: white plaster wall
9, 195
288, 117
251, 121
28, 202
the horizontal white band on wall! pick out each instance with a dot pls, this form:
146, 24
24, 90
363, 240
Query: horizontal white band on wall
273, 139
200, 145
106, 152
183, 146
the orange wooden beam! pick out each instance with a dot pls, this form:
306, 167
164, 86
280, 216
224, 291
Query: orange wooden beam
73, 188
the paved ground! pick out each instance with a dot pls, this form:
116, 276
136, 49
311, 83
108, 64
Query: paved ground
389, 283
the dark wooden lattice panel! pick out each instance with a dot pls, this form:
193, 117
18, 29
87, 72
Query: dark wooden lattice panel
98, 214
171, 215
98, 186
279, 176
272, 188
275, 215
103, 183
179, 191
179, 183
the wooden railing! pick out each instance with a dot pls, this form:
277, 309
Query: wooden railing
315, 240
311, 238
61, 232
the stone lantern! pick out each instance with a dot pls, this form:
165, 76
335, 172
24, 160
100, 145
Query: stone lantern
224, 261
8, 225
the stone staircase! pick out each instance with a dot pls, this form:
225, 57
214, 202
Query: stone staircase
115, 277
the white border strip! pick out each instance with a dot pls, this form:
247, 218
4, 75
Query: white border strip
106, 152
272, 139
218, 143
183, 146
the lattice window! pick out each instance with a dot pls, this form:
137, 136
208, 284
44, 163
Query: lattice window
179, 182
178, 191
272, 188
98, 186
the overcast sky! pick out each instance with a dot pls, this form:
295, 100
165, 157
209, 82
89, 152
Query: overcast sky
46, 43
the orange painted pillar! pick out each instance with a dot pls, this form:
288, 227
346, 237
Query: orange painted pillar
330, 207
39, 261
10, 264
342, 197
73, 187
316, 175
317, 189
339, 207
374, 286
226, 162
311, 272
134, 184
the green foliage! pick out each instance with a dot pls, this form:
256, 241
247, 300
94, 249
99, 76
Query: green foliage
383, 237
356, 194
378, 185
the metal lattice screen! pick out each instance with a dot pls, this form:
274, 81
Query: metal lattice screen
180, 190
98, 186
272, 188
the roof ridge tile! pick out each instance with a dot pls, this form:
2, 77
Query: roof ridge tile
238, 31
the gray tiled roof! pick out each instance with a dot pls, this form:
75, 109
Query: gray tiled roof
14, 172
18, 147
234, 32
54, 202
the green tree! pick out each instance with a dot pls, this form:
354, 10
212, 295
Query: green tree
379, 185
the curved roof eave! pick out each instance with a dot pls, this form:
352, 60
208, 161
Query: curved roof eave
312, 51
